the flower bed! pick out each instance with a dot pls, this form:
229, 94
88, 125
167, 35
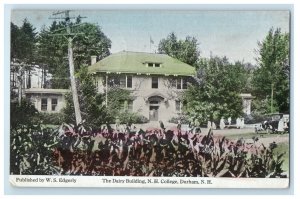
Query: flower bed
152, 152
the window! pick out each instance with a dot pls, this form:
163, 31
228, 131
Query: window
154, 82
178, 83
156, 65
122, 82
129, 81
113, 81
53, 104
178, 105
28, 80
184, 83
173, 83
44, 104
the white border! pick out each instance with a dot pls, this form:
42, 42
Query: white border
295, 99
146, 182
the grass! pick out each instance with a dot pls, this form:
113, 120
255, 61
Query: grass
283, 148
251, 134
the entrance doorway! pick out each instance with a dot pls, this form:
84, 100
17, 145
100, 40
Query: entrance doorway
154, 103
153, 113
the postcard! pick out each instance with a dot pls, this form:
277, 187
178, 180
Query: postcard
150, 98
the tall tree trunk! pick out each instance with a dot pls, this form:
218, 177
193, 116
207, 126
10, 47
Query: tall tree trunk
73, 82
20, 84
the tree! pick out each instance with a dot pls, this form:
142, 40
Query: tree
22, 51
53, 50
82, 39
22, 114
185, 50
216, 93
23, 42
94, 112
92, 42
117, 97
52, 53
15, 41
271, 78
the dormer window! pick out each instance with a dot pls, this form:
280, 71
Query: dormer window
153, 65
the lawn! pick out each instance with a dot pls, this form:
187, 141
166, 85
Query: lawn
252, 134
280, 139
283, 148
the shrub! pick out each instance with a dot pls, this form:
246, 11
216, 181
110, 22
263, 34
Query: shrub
182, 118
47, 151
213, 156
92, 107
49, 118
32, 151
22, 114
133, 118
254, 118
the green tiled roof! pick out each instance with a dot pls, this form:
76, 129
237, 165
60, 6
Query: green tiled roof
136, 62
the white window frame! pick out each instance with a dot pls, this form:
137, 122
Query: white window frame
44, 104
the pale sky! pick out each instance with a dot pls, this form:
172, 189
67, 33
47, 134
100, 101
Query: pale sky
233, 34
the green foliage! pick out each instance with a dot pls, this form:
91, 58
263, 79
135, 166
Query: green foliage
23, 49
93, 110
42, 151
263, 106
182, 118
273, 72
185, 50
217, 93
117, 97
52, 56
53, 49
221, 157
22, 114
254, 117
32, 151
48, 118
214, 157
92, 42
131, 118
23, 42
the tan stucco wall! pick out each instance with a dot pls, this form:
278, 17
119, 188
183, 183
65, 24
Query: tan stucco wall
142, 90
141, 87
37, 100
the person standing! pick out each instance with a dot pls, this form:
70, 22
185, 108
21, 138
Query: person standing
161, 125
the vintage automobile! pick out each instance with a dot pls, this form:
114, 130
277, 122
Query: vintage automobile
276, 122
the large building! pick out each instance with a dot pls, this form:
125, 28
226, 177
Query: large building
156, 81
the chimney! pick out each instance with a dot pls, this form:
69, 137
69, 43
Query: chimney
93, 59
